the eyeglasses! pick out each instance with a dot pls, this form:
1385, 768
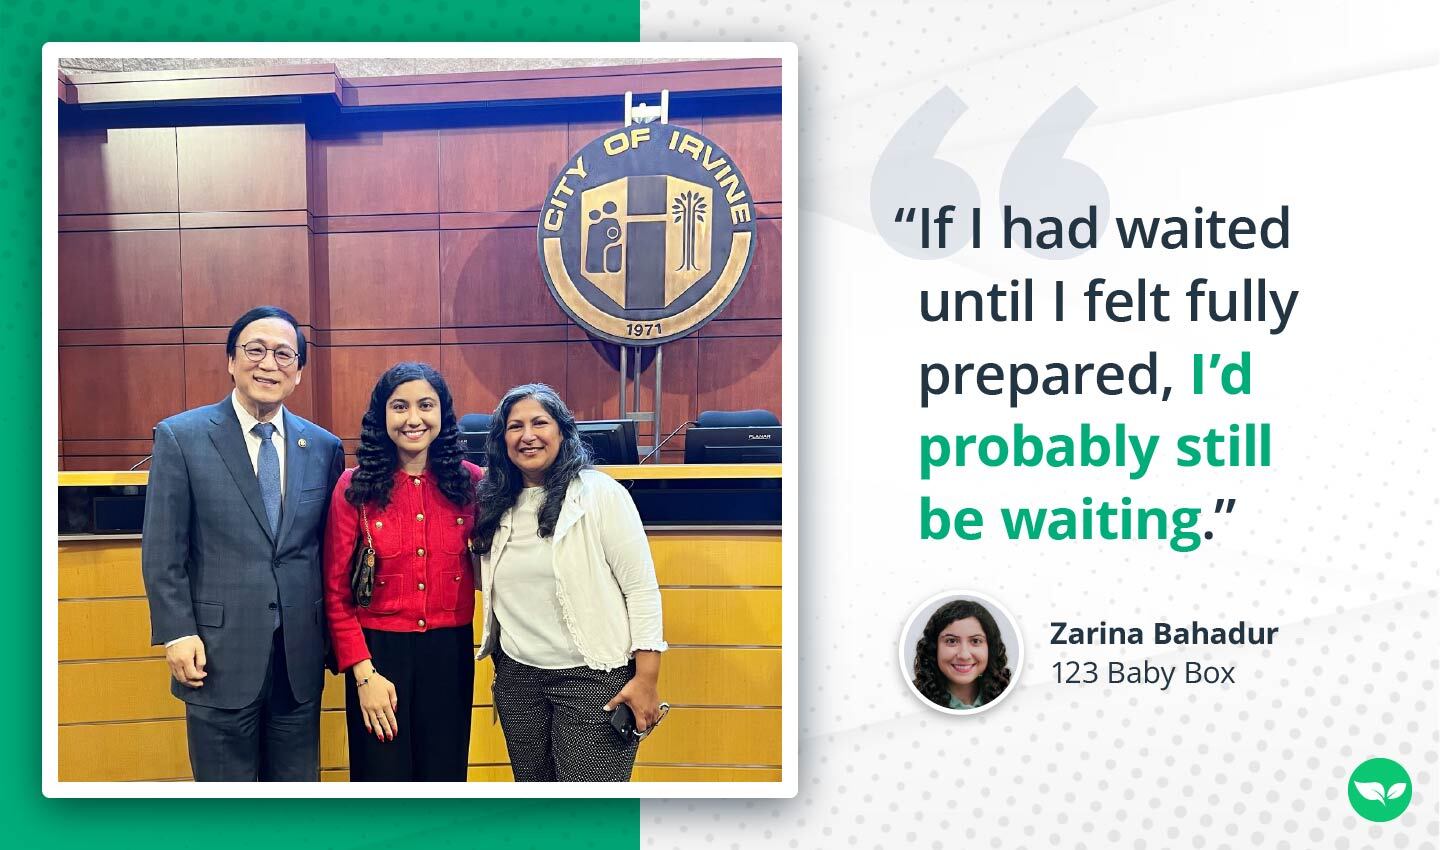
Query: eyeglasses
640, 736
255, 353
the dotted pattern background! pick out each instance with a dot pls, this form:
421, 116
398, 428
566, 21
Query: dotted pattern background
1239, 107
32, 820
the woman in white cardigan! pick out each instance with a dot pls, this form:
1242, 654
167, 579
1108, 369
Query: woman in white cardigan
571, 606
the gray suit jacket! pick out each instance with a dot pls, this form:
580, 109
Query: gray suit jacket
212, 567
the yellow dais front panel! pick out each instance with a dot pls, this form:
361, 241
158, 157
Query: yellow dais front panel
722, 598
92, 629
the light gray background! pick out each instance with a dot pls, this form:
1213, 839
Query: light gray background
1326, 106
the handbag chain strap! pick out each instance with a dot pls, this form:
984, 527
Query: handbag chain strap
365, 524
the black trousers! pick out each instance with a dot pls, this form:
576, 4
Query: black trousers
434, 677
555, 723
274, 739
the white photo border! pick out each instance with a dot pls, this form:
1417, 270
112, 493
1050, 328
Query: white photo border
787, 53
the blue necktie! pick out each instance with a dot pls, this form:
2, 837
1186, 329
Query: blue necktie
268, 470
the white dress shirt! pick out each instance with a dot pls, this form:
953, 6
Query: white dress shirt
252, 440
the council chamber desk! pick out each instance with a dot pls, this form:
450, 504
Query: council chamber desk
715, 537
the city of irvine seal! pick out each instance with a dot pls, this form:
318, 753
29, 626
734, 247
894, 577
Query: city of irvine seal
646, 234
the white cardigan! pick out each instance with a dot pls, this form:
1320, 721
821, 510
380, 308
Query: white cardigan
604, 577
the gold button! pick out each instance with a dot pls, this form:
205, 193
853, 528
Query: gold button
457, 578
422, 585
419, 517
415, 480
379, 524
422, 624
420, 552
459, 520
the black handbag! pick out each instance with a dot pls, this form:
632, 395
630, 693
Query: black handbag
362, 565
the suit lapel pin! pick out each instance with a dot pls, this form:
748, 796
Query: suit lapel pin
301, 442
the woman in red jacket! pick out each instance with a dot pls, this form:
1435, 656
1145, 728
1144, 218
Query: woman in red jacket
408, 655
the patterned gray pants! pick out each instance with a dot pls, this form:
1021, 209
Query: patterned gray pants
555, 723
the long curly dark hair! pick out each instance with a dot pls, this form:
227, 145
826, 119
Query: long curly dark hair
500, 488
928, 678
378, 459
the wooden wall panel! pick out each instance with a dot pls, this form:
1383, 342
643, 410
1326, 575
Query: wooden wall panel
592, 381
673, 773
377, 280
485, 667
492, 277
207, 380
593, 389
242, 167
276, 81
499, 168
721, 676
480, 374
228, 271
120, 221
740, 373
350, 374
741, 617
113, 752
716, 560
760, 295
103, 568
748, 736
121, 336
99, 463
334, 751
487, 741
442, 215
368, 173
119, 170
115, 702
679, 387
89, 691
99, 629
578, 134
120, 279
497, 87
753, 141
118, 392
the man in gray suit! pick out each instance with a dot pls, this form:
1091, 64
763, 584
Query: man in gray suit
231, 549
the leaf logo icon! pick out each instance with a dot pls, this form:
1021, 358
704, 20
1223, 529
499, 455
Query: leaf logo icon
1379, 789
1376, 791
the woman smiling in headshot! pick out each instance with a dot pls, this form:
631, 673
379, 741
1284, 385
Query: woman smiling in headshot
572, 608
960, 659
408, 652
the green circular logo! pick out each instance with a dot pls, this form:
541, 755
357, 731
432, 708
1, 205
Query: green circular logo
1379, 790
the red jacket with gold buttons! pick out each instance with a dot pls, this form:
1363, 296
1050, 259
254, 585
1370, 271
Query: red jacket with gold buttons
423, 577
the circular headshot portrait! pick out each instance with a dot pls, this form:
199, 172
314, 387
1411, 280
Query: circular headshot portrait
961, 653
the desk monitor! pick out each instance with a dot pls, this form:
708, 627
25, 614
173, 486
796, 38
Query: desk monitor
474, 431
738, 444
611, 441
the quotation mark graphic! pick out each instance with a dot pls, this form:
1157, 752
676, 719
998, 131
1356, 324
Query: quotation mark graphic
1038, 179
1379, 790
908, 174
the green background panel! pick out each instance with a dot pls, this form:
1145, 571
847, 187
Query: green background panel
33, 820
